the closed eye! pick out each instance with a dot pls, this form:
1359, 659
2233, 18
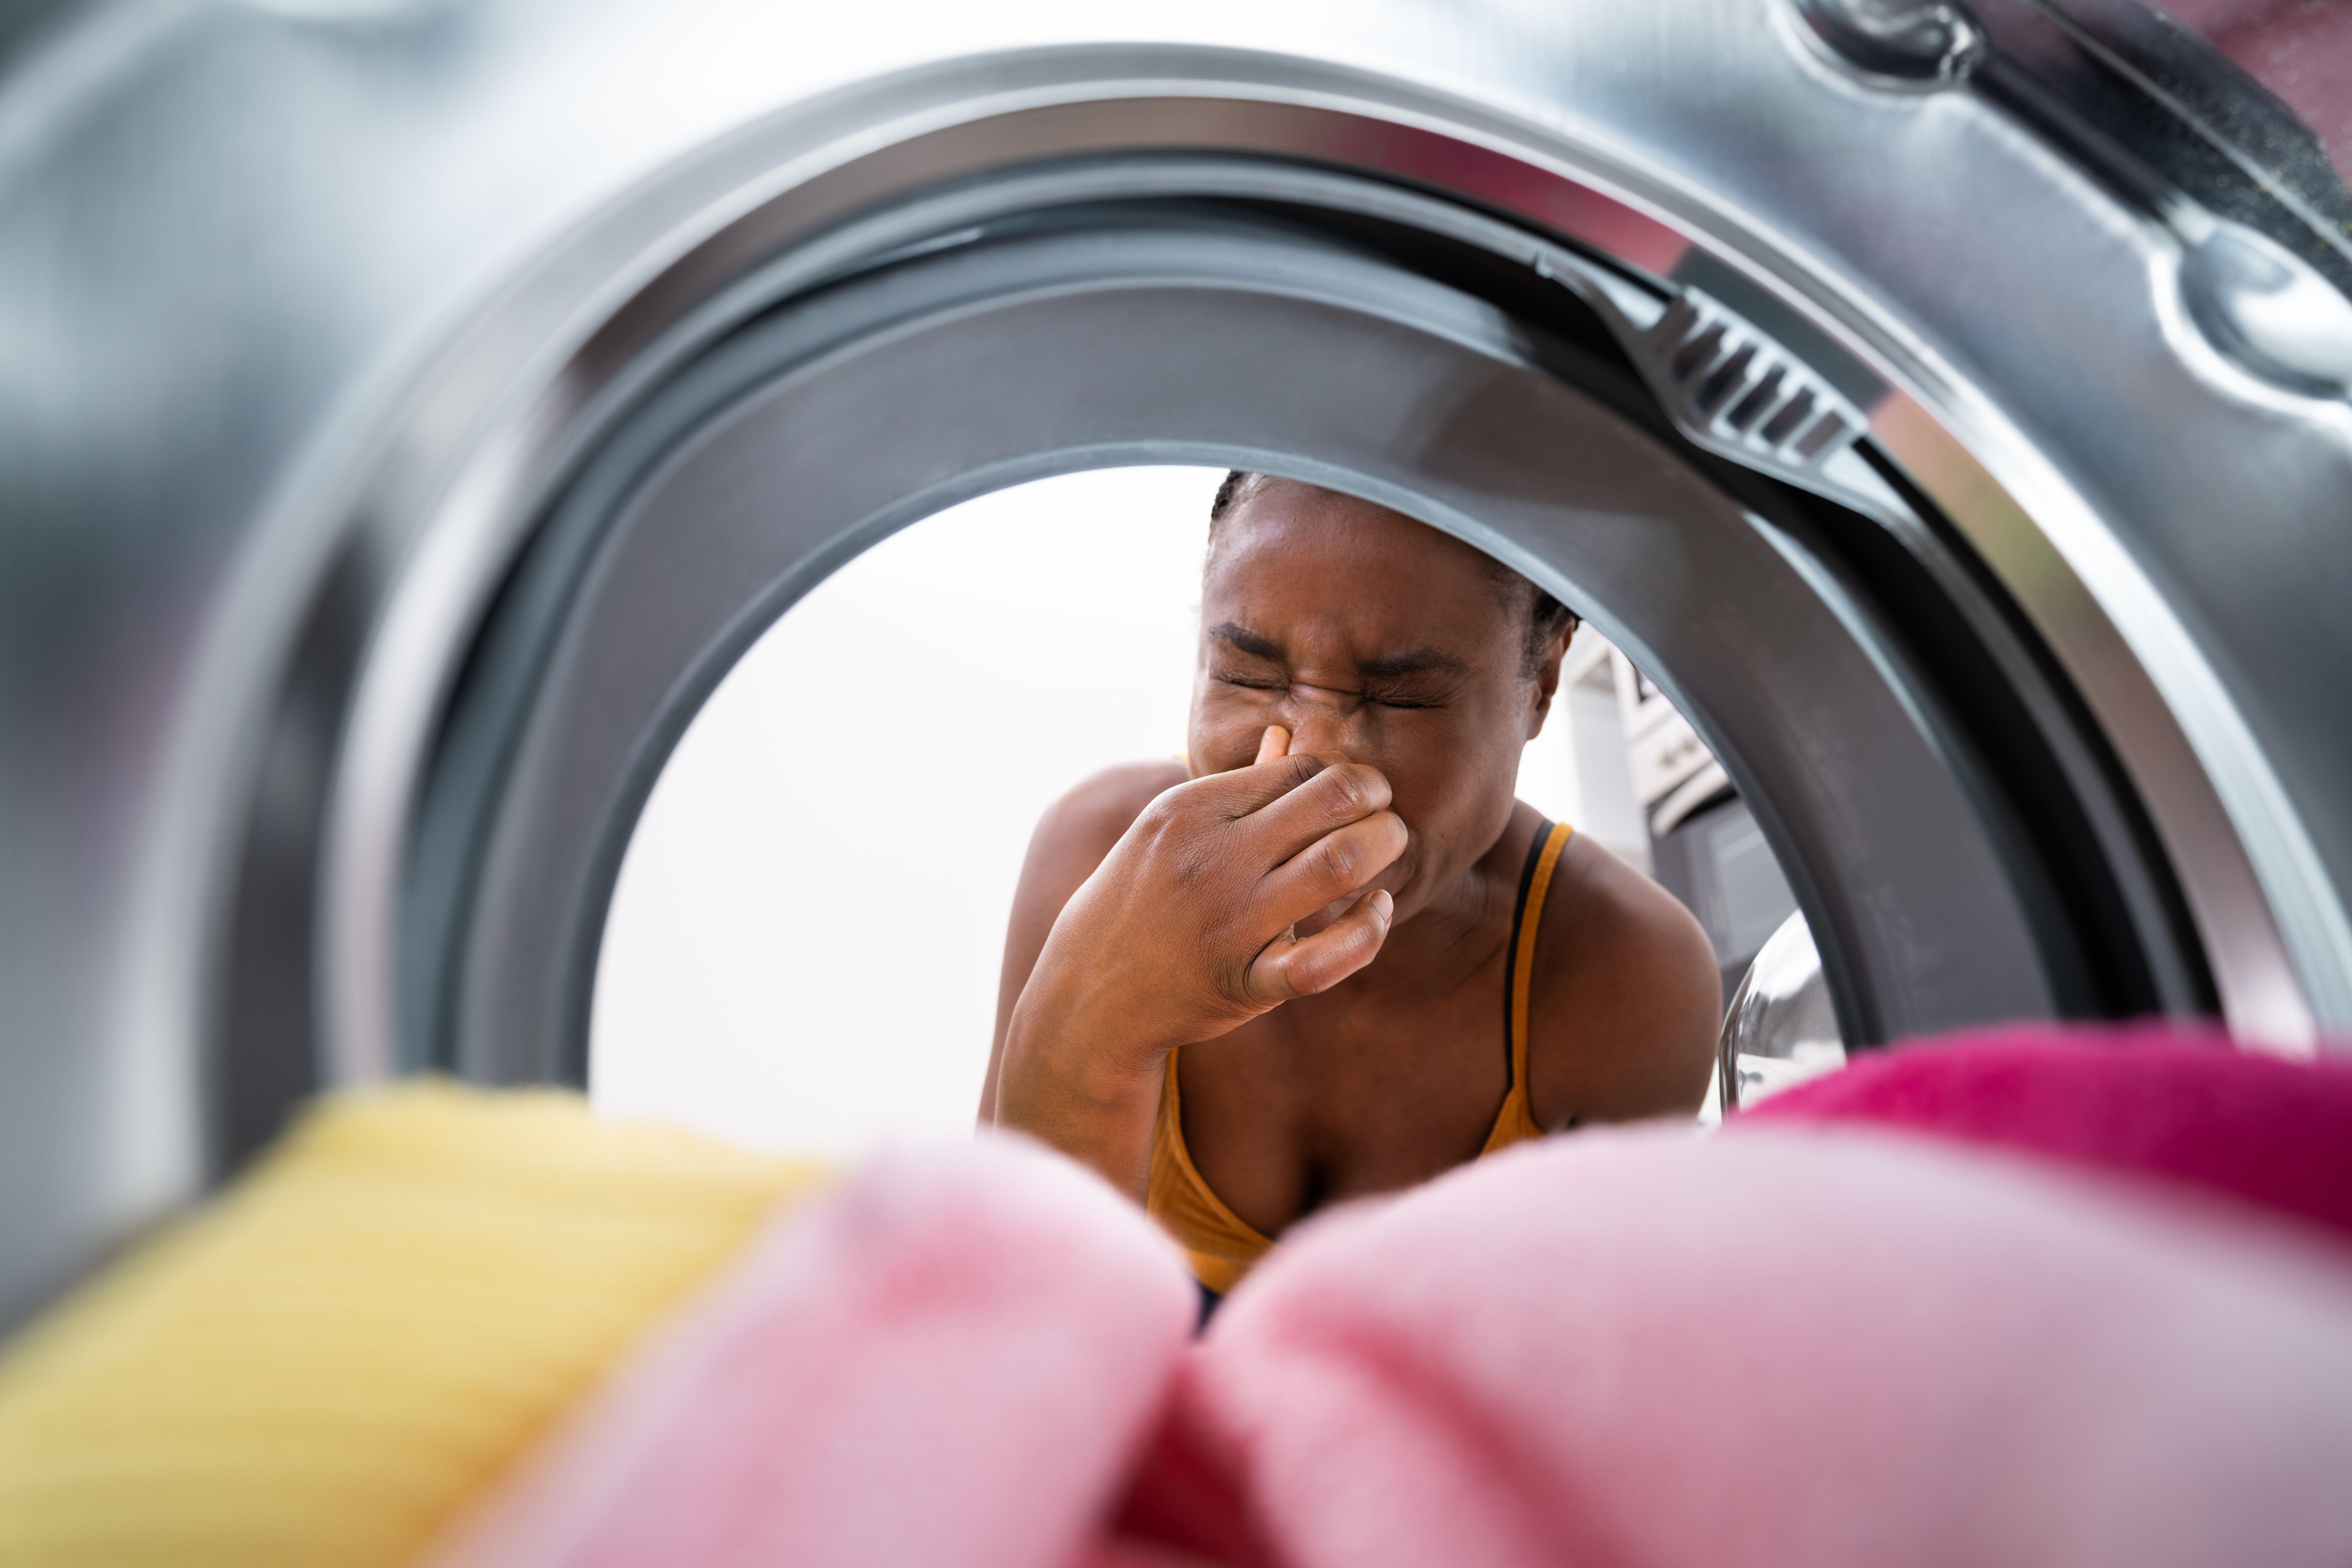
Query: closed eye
1421, 693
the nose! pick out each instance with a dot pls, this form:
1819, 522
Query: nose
1322, 720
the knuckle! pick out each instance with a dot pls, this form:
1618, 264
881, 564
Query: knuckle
1344, 793
1337, 861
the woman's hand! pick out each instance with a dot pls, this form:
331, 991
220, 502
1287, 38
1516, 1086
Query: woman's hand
1228, 897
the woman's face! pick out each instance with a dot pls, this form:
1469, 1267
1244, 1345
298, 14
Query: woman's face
1363, 632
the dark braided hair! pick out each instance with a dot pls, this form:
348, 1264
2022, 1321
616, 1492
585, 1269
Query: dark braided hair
1546, 616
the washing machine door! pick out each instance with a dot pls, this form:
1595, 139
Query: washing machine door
413, 408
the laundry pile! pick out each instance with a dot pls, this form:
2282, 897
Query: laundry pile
2035, 1298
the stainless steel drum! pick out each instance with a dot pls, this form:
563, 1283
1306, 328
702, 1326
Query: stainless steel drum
408, 409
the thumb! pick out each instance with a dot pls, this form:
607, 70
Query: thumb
1275, 743
1291, 966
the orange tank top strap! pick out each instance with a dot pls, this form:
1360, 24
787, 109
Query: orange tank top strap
1515, 1123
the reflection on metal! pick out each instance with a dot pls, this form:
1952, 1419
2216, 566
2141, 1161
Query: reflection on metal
2269, 309
2170, 127
1905, 44
1781, 1029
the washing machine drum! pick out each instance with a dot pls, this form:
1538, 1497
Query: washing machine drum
413, 409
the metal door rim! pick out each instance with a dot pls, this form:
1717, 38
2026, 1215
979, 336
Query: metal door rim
2235, 839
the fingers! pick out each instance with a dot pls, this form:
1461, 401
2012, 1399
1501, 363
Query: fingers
1300, 966
1332, 867
1338, 793
1282, 806
1275, 743
1248, 790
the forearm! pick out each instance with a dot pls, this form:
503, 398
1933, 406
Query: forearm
1086, 1096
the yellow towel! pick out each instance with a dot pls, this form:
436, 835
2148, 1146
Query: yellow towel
327, 1363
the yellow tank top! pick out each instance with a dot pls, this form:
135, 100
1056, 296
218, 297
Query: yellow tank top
1221, 1245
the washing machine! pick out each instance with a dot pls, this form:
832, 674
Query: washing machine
409, 410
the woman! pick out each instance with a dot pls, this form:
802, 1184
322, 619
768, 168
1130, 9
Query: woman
1333, 955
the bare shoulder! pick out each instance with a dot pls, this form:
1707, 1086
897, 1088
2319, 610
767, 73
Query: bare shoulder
1625, 1013
1072, 838
1101, 808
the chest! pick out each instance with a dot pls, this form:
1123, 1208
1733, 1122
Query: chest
1335, 1097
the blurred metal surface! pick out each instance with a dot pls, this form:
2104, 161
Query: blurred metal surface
309, 313
1781, 1028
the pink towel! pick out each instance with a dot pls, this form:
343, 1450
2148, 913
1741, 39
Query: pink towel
1808, 1346
1813, 1342
953, 1361
2151, 1099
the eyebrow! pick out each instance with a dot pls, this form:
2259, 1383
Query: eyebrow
1241, 639
1388, 666
1413, 662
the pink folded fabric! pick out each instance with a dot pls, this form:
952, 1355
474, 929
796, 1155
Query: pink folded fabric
955, 1360
2180, 1104
1808, 1344
1822, 1339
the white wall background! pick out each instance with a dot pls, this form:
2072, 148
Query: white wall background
804, 944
